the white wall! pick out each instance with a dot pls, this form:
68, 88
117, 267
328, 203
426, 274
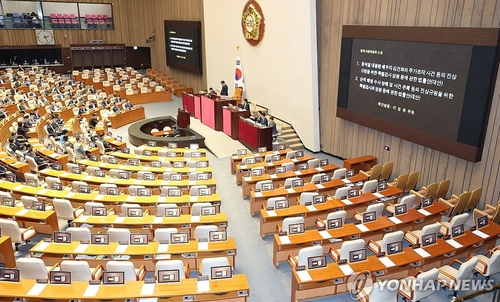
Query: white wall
59, 8
281, 72
19, 7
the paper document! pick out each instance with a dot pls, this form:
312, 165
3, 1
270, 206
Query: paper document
304, 276
162, 248
271, 213
203, 286
423, 253
311, 208
42, 246
325, 234
395, 220
424, 212
345, 180
81, 248
387, 262
454, 244
378, 195
120, 219
120, 249
91, 290
362, 227
346, 201
147, 289
195, 218
22, 212
258, 194
320, 186
202, 246
290, 190
285, 239
480, 234
346, 269
36, 289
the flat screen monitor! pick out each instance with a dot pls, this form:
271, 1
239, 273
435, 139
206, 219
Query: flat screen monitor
178, 164
299, 153
426, 201
62, 237
369, 216
220, 235
297, 183
49, 146
324, 162
59, 151
262, 150
256, 172
204, 191
316, 262
281, 204
174, 192
135, 212
242, 151
134, 162
10, 177
382, 185
172, 212
126, 150
100, 173
202, 176
325, 178
151, 144
32, 182
357, 255
481, 221
123, 175
281, 147
92, 145
208, 210
317, 199
110, 134
195, 154
172, 145
349, 173
9, 201
353, 193
280, 170
76, 170
400, 209
38, 205
113, 160
119, 138
251, 160
276, 157
175, 177
194, 146
429, 239
84, 189
394, 247
99, 238
171, 154
268, 186
155, 163
93, 157
201, 164
334, 223
112, 191
221, 272
111, 278
56, 186
144, 192
457, 230
168, 276
99, 211
60, 277
9, 274
303, 166
147, 153
179, 238
138, 238
296, 228
148, 176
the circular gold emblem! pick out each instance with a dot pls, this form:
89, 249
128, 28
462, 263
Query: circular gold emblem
252, 22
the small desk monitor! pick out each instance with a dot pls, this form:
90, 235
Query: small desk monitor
112, 191
426, 201
113, 160
179, 238
171, 154
147, 153
93, 157
242, 151
9, 274
276, 157
99, 211
349, 173
382, 185
119, 138
281, 147
457, 230
208, 210
400, 209
280, 170
394, 247
110, 278
303, 166
57, 166
429, 239
202, 176
481, 222
151, 144
317, 199
221, 272
168, 276
9, 201
357, 255
135, 212
134, 162
296, 228
220, 235
297, 183
38, 205
126, 150
49, 146
148, 176
369, 216
139, 239
59, 151
155, 163
99, 173
325, 178
299, 154
324, 162
110, 134
92, 145
62, 237
99, 238
84, 189
60, 277
256, 172
262, 150
174, 192
281, 204
175, 177
123, 175
251, 160
204, 191
353, 193
56, 186
201, 164
172, 212
10, 177
334, 223
194, 146
178, 164
76, 170
316, 262
172, 145
268, 186
144, 192
195, 154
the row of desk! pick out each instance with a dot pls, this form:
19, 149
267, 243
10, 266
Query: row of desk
126, 117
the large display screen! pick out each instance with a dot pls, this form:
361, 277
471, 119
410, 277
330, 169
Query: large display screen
431, 86
183, 45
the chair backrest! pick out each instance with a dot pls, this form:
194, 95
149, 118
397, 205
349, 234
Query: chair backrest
122, 266
288, 166
306, 197
104, 187
316, 178
91, 204
171, 265
465, 271
351, 245
132, 190
291, 154
193, 191
462, 202
79, 234
28, 200
77, 183
496, 215
262, 169
32, 163
164, 190
420, 292
118, 234
245, 159
272, 201
408, 200
313, 163
376, 171
402, 181
196, 209
443, 188
52, 180
429, 229
431, 190
11, 228
291, 220
208, 263
32, 176
337, 214
203, 231
493, 264
305, 253
474, 199
91, 170
80, 270
387, 293
391, 237
341, 192
71, 154
289, 181
32, 268
163, 234
386, 170
458, 220
125, 206
100, 146
378, 208
369, 186
63, 208
339, 173
258, 185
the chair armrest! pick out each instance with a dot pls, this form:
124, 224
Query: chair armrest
485, 267
361, 295
292, 260
489, 206
418, 193
56, 266
97, 273
446, 203
334, 254
27, 229
141, 273
320, 224
448, 275
278, 228
186, 269
410, 233
146, 212
454, 196
111, 211
447, 227
403, 284
379, 248
297, 200
367, 174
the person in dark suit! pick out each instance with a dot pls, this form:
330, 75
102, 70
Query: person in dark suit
94, 121
115, 109
82, 109
262, 118
128, 105
245, 105
223, 90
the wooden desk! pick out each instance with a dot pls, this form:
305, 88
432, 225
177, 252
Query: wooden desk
44, 222
161, 133
236, 159
137, 224
48, 154
145, 158
235, 289
14, 165
360, 163
144, 254
231, 116
253, 136
408, 262
7, 253
211, 112
157, 170
127, 117
144, 98
178, 151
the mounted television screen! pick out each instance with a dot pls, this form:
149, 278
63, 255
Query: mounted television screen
428, 85
183, 45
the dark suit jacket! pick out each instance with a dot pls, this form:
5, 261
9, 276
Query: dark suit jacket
224, 90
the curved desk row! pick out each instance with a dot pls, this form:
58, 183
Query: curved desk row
146, 158
44, 222
236, 159
158, 170
126, 117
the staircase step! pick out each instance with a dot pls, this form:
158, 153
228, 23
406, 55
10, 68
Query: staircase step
292, 140
287, 131
288, 135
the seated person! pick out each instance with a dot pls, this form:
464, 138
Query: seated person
79, 149
94, 120
128, 105
115, 109
105, 143
42, 164
245, 105
175, 132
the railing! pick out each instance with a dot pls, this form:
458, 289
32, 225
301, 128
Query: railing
495, 290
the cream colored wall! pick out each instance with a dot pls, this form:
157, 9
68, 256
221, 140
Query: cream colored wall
280, 73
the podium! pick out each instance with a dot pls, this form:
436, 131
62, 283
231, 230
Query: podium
230, 118
183, 118
188, 102
211, 111
253, 136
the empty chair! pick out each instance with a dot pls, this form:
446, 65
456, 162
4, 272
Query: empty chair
32, 268
118, 234
196, 208
17, 235
411, 287
101, 148
162, 152
453, 278
51, 181
32, 163
164, 190
313, 163
259, 184
474, 199
28, 201
166, 163
140, 174
130, 272
304, 254
71, 155
139, 151
374, 172
207, 264
77, 184
173, 265
92, 204
341, 192
115, 172
447, 226
492, 212
92, 170
369, 186
203, 231
193, 191
133, 162
261, 169
408, 200
317, 178
291, 154
340, 173
289, 221
488, 266
377, 292
132, 190
379, 246
443, 188
429, 191
65, 210
378, 208
161, 208
245, 159
345, 248
81, 271
125, 206
456, 203
32, 177
163, 234
333, 215
79, 233
400, 182
306, 197
386, 171
271, 202
415, 236
412, 181
289, 181
103, 188
288, 166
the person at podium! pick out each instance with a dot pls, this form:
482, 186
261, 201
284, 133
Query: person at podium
261, 119
223, 90
245, 105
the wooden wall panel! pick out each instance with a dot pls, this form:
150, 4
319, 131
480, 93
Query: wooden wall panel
346, 139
